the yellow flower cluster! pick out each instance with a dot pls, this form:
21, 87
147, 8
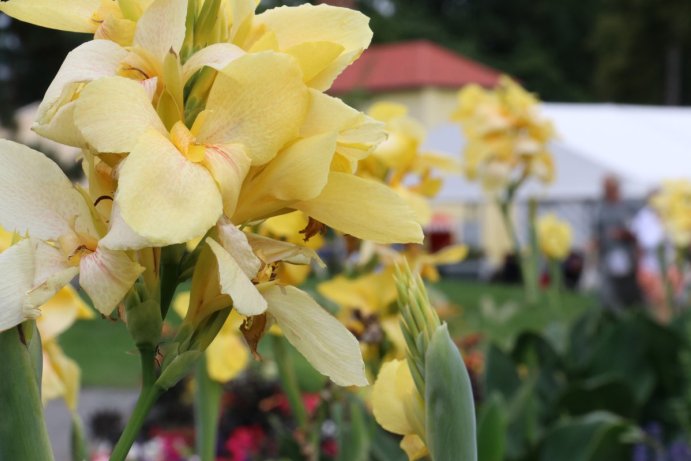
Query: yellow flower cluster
197, 120
554, 237
506, 139
673, 204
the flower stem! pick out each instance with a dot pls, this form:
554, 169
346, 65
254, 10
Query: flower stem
289, 382
525, 258
144, 404
23, 432
207, 411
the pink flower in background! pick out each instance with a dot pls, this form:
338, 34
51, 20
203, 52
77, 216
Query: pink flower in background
245, 443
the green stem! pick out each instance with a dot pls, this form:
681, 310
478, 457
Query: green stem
23, 432
147, 357
289, 382
664, 273
525, 259
556, 282
146, 401
207, 411
170, 265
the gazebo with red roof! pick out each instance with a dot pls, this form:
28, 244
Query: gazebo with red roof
420, 74
412, 65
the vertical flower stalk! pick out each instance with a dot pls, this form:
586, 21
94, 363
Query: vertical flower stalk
23, 432
428, 399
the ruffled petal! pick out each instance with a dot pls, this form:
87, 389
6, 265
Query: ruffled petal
323, 23
106, 276
113, 112
164, 197
38, 199
258, 100
162, 27
234, 283
67, 15
87, 62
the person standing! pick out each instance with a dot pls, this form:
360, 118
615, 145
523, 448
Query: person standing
615, 248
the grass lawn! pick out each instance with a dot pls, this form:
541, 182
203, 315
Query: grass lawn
108, 357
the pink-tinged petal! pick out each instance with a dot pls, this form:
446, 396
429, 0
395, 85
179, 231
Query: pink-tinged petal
106, 276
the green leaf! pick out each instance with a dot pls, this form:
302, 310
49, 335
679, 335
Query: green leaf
23, 432
598, 436
450, 409
386, 447
491, 438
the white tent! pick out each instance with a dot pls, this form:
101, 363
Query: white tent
642, 145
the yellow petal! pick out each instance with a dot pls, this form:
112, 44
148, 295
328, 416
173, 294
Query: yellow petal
271, 251
414, 447
314, 57
216, 56
227, 354
307, 23
299, 172
120, 236
358, 134
87, 62
365, 209
6, 239
164, 197
106, 276
228, 165
449, 255
62, 377
255, 107
324, 341
371, 293
387, 404
419, 204
113, 112
387, 111
234, 283
37, 197
60, 312
117, 30
181, 303
68, 15
235, 242
51, 274
162, 27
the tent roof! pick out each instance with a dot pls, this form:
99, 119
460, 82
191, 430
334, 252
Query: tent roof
642, 145
412, 64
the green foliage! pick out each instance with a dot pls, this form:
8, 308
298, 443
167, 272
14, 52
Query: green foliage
491, 443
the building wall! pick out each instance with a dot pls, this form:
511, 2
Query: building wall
431, 106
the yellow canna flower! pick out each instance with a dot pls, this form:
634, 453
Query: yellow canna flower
506, 140
64, 239
673, 204
554, 237
399, 408
174, 185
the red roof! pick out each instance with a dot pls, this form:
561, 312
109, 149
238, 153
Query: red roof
413, 64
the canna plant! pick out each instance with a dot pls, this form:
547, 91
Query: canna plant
507, 144
197, 120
